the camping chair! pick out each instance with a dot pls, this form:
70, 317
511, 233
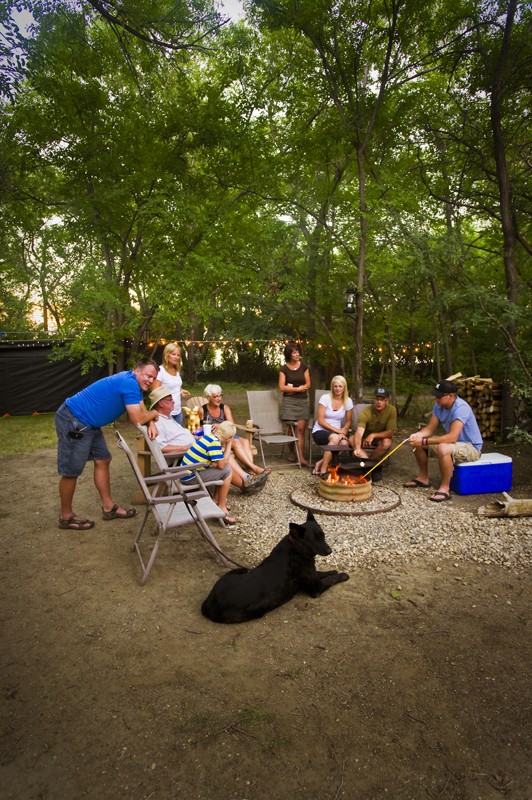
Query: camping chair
166, 462
317, 394
264, 411
180, 507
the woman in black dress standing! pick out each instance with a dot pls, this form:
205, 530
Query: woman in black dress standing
294, 383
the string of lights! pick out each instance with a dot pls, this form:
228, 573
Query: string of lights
216, 343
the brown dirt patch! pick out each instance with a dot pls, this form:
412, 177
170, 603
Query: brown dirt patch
408, 682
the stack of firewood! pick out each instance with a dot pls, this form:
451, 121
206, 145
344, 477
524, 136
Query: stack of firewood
485, 398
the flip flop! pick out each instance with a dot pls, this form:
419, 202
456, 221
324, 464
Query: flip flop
440, 497
112, 514
75, 524
414, 483
229, 521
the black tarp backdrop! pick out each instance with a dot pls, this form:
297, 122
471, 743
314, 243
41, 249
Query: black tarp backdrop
31, 383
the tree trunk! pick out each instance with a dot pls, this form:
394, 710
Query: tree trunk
358, 388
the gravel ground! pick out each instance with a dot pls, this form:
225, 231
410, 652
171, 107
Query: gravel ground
415, 529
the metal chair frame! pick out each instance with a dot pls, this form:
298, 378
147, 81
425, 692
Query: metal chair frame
268, 427
179, 505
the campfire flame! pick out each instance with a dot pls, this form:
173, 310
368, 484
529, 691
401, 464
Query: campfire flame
346, 480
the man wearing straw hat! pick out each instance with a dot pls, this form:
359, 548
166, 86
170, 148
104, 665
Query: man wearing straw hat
171, 436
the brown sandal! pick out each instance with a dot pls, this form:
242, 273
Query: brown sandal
75, 524
112, 514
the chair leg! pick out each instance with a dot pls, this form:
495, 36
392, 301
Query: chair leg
208, 535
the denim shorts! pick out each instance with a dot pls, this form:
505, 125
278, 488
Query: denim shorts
73, 454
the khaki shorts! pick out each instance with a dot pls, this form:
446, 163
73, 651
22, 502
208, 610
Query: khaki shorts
462, 452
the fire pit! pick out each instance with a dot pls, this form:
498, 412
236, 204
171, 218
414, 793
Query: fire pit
344, 486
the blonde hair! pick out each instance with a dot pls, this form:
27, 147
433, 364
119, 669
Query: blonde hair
345, 393
225, 430
172, 348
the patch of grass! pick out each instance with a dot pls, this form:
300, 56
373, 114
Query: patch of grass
26, 434
254, 716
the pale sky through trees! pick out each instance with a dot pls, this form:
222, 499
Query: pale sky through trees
233, 8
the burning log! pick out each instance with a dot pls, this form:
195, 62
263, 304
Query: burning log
508, 508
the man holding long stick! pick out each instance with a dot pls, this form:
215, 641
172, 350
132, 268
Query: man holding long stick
461, 442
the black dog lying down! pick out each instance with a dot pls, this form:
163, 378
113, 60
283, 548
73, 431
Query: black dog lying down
242, 594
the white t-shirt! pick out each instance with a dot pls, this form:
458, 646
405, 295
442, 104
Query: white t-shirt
172, 433
174, 384
334, 418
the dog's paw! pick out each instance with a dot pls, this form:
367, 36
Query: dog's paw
343, 576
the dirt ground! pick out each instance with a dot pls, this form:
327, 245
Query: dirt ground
113, 690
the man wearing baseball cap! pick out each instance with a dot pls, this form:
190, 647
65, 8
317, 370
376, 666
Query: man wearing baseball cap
375, 427
462, 440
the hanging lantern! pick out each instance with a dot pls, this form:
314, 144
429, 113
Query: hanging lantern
350, 300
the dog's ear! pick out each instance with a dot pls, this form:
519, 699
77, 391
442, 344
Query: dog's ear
297, 531
310, 516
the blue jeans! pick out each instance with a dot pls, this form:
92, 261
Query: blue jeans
73, 454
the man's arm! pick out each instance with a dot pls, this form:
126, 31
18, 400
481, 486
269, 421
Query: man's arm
222, 462
372, 437
359, 433
428, 431
139, 414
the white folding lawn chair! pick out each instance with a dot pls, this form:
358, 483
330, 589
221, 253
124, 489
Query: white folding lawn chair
166, 462
181, 505
264, 411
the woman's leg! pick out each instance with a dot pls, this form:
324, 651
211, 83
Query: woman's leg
334, 438
242, 450
238, 476
301, 428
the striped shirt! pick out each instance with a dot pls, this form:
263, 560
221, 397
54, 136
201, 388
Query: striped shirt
206, 448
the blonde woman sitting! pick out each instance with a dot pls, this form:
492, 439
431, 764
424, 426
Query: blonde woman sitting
333, 420
216, 412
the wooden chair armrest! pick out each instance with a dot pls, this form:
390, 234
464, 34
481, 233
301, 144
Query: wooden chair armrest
239, 427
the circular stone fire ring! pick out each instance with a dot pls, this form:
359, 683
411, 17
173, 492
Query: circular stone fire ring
382, 500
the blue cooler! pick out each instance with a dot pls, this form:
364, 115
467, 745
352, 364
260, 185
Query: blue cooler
491, 473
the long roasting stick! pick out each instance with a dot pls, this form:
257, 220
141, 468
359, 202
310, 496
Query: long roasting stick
385, 457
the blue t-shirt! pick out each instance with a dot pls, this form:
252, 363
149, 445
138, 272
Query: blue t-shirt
206, 448
105, 400
461, 410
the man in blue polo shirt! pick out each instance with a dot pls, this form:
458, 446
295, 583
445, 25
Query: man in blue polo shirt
80, 439
462, 440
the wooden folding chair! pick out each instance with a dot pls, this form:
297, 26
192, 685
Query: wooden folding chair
264, 411
181, 505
